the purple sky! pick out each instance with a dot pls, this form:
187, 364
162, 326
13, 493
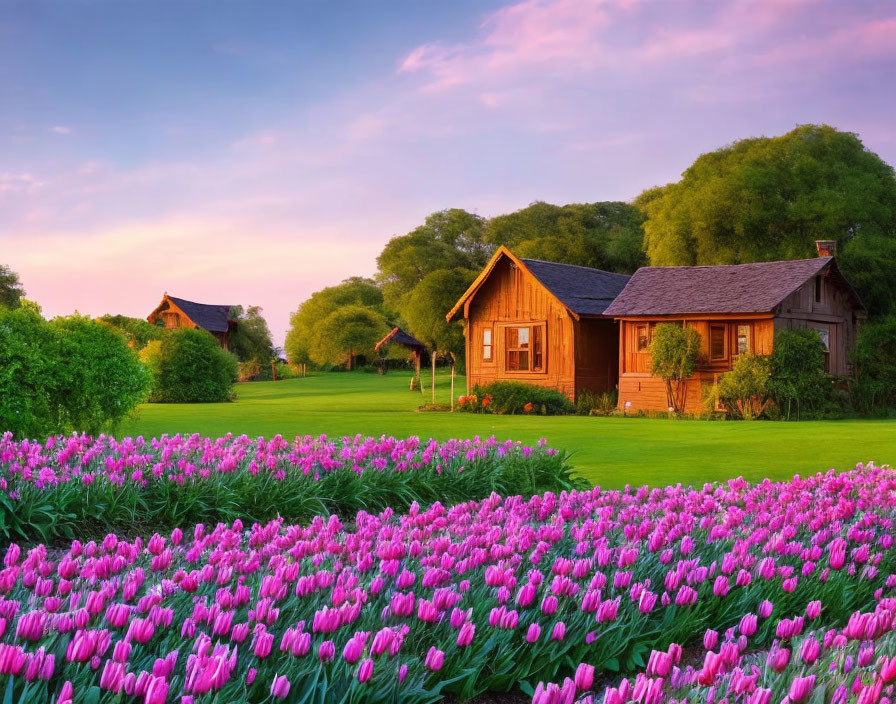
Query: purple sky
254, 152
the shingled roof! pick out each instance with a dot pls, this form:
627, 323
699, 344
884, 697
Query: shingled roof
400, 337
736, 288
214, 318
585, 291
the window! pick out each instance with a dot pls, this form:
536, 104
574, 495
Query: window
172, 319
487, 345
717, 342
818, 289
743, 339
824, 334
642, 335
524, 346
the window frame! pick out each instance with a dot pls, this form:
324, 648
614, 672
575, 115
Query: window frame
647, 329
819, 289
725, 352
749, 328
540, 336
488, 345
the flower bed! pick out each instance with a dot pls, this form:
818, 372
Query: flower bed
67, 485
481, 596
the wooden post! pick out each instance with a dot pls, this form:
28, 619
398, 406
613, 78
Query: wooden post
452, 384
274, 369
433, 361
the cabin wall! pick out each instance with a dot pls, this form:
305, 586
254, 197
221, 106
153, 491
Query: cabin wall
832, 316
510, 296
597, 354
640, 391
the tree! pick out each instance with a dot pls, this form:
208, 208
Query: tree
11, 290
765, 199
101, 379
798, 371
251, 338
347, 332
190, 367
448, 239
674, 351
424, 310
603, 235
876, 364
308, 318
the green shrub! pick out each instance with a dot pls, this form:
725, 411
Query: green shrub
744, 390
674, 351
191, 367
875, 362
514, 397
102, 379
29, 389
798, 382
137, 330
74, 374
590, 404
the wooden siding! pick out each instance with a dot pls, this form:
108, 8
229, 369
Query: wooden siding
510, 296
834, 313
648, 393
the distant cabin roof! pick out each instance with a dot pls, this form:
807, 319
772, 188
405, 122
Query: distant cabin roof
583, 290
214, 318
731, 288
399, 336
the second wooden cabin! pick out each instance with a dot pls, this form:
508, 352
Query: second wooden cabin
736, 309
541, 323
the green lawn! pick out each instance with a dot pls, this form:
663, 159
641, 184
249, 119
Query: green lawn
608, 451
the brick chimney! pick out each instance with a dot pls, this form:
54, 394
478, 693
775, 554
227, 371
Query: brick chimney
826, 248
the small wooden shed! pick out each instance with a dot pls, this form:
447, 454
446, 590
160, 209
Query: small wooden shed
398, 336
541, 323
736, 309
180, 313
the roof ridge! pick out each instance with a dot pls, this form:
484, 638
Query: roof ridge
719, 266
577, 266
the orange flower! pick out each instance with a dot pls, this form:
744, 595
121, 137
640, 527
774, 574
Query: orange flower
487, 400
528, 407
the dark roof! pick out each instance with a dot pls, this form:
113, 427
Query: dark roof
214, 318
736, 288
400, 337
585, 291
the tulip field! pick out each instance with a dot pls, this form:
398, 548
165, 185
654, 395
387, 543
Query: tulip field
731, 592
66, 485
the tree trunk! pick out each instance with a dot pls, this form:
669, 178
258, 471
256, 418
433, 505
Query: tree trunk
274, 369
304, 369
416, 379
433, 365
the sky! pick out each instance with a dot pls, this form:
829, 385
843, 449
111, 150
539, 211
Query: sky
246, 152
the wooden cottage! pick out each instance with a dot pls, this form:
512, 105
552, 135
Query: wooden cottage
736, 309
180, 313
541, 323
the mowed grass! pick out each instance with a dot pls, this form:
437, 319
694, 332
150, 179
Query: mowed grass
610, 452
